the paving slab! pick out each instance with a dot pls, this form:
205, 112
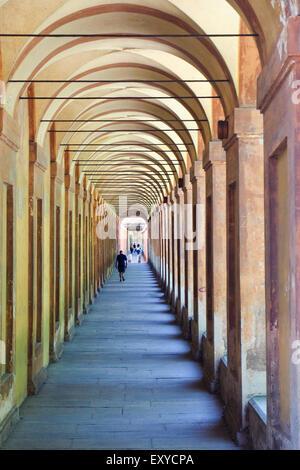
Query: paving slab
126, 381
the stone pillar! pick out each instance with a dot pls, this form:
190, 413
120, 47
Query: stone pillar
167, 248
85, 252
246, 374
215, 341
94, 247
181, 255
153, 241
55, 337
278, 98
188, 310
170, 242
12, 309
161, 234
90, 246
36, 373
163, 257
176, 240
69, 329
101, 241
198, 325
78, 248
157, 240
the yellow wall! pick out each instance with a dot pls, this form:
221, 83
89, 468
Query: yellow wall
21, 208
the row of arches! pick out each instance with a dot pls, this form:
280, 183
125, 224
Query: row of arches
155, 102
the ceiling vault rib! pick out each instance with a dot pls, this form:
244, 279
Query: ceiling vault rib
118, 130
124, 120
120, 151
188, 53
114, 145
216, 80
129, 162
30, 98
127, 35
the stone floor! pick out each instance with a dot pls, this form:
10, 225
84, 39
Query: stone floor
126, 381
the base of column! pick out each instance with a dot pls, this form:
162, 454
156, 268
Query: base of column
233, 412
36, 383
239, 436
196, 341
166, 292
8, 423
279, 441
174, 302
212, 386
178, 312
169, 296
79, 319
186, 324
210, 378
86, 308
69, 335
56, 353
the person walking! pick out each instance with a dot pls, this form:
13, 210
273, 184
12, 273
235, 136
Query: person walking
138, 251
131, 248
121, 265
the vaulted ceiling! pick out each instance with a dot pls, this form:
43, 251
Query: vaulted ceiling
129, 99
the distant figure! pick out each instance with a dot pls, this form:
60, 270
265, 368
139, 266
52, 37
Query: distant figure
131, 248
121, 265
139, 251
134, 247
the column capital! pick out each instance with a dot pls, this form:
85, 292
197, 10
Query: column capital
10, 132
37, 156
56, 172
244, 123
214, 154
172, 196
78, 190
187, 185
196, 172
85, 195
281, 63
178, 192
67, 181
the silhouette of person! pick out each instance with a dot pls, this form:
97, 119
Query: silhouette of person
121, 265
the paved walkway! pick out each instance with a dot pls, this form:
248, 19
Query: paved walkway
127, 381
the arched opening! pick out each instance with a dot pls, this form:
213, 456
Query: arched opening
166, 126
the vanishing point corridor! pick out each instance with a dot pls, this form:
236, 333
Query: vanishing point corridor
167, 132
126, 381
